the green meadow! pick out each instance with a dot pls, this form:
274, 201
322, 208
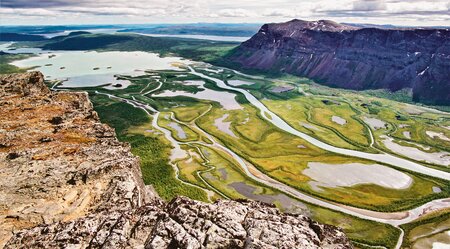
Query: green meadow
309, 108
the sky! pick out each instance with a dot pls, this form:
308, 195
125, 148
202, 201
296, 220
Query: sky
56, 12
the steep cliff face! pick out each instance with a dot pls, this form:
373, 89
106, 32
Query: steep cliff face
67, 182
356, 58
57, 161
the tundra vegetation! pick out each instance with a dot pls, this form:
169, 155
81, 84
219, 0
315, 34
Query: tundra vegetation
206, 168
370, 121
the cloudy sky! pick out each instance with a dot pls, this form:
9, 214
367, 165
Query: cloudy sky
399, 12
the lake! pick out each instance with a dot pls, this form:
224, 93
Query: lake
7, 47
91, 68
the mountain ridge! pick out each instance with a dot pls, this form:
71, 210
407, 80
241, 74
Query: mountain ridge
351, 57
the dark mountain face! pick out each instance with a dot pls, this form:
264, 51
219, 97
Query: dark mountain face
356, 58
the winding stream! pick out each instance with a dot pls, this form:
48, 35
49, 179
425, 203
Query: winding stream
387, 218
395, 219
280, 123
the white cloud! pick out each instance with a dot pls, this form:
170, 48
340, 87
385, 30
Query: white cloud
422, 6
279, 12
28, 12
323, 5
236, 13
405, 12
369, 5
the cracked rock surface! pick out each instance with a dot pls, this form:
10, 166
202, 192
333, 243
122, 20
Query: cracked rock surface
67, 182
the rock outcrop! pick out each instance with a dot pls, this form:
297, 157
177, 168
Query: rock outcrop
67, 182
356, 58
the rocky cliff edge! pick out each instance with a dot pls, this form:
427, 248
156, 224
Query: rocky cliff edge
67, 182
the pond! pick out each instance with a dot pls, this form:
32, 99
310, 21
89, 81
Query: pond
9, 48
338, 120
180, 132
407, 134
226, 99
287, 204
439, 158
351, 174
224, 126
239, 82
439, 135
375, 123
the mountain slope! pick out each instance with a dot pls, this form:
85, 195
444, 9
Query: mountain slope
356, 58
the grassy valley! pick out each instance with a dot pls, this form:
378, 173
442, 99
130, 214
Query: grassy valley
208, 172
199, 140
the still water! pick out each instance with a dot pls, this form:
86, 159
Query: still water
91, 68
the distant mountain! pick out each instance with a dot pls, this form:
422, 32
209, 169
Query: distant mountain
84, 41
74, 33
217, 29
52, 29
342, 55
390, 26
20, 37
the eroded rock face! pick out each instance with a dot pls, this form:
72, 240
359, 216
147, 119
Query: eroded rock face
185, 223
67, 182
57, 161
356, 58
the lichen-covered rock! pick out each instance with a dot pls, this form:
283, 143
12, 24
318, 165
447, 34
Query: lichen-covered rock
57, 161
185, 223
239, 224
67, 182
